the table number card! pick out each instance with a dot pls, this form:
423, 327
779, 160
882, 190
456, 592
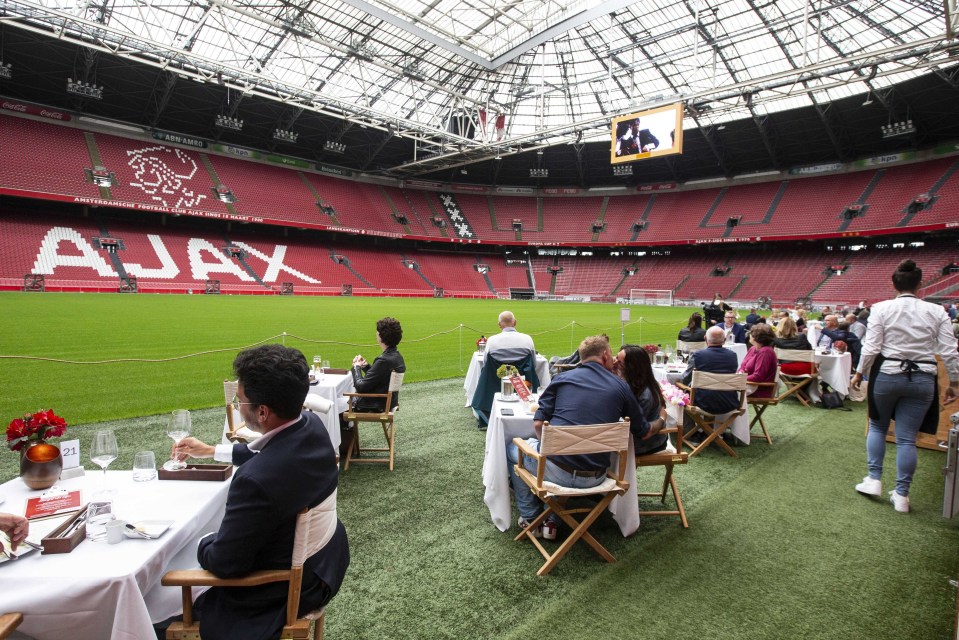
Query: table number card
70, 450
520, 385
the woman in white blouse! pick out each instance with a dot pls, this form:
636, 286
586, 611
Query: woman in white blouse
902, 339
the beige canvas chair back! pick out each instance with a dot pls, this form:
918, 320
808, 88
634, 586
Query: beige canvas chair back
719, 381
396, 381
690, 347
796, 355
595, 438
314, 528
233, 418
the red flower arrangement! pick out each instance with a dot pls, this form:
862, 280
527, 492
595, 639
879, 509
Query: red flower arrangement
37, 426
651, 348
840, 346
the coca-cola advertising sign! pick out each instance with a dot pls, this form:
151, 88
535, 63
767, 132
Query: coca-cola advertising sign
33, 110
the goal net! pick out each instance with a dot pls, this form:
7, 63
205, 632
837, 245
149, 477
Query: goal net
658, 297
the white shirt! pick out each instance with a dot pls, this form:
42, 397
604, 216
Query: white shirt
906, 328
509, 345
224, 452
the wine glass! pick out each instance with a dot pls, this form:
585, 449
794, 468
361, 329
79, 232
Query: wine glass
103, 451
669, 354
324, 366
178, 428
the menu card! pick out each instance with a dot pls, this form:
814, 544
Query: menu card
45, 506
520, 385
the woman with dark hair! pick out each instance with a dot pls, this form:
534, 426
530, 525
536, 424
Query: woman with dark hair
902, 339
790, 338
759, 365
632, 365
375, 378
693, 332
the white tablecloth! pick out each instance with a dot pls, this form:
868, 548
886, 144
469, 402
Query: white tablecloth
330, 387
476, 365
503, 429
835, 370
739, 349
101, 591
739, 427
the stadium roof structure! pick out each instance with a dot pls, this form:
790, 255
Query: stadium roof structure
414, 88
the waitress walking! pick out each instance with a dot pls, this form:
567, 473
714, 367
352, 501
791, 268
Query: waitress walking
903, 336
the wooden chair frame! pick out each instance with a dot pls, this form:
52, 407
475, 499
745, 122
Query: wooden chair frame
705, 421
796, 385
296, 628
690, 347
9, 623
667, 459
386, 419
573, 440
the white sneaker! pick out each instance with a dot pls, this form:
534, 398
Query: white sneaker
523, 523
870, 487
901, 503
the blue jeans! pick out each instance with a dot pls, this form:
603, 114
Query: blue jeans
896, 396
527, 503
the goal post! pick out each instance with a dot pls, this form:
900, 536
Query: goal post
656, 297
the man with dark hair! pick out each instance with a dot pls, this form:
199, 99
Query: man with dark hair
589, 394
636, 140
375, 378
751, 319
290, 467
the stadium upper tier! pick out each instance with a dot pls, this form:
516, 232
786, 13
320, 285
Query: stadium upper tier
56, 162
97, 252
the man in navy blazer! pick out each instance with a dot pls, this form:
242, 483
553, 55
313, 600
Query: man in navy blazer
730, 326
291, 467
715, 359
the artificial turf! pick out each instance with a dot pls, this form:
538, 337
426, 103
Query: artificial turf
779, 544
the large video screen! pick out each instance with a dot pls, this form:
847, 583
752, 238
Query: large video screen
647, 134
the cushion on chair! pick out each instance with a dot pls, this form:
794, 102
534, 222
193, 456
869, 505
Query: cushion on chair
609, 484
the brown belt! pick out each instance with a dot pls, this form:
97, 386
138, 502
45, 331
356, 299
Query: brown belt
579, 472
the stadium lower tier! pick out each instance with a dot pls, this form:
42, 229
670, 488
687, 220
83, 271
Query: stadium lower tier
62, 251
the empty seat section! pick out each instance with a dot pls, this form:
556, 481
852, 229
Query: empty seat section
889, 201
815, 205
621, 213
267, 191
454, 273
570, 219
678, 215
43, 158
357, 205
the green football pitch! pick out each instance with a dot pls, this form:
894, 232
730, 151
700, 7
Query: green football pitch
94, 357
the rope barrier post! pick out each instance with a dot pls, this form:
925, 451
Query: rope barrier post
284, 338
461, 347
623, 319
640, 329
572, 338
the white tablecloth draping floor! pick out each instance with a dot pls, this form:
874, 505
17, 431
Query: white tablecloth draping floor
835, 370
101, 591
739, 427
503, 429
476, 365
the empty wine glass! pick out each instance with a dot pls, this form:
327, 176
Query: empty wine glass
178, 428
103, 451
669, 354
324, 366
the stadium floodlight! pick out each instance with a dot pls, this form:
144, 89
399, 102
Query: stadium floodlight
285, 136
5, 72
622, 169
335, 147
84, 89
226, 122
539, 173
901, 128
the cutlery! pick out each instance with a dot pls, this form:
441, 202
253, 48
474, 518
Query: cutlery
10, 556
32, 545
142, 534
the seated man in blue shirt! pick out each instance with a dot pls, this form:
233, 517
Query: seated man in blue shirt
589, 394
714, 359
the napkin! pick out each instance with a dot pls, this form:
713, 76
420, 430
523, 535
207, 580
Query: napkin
317, 404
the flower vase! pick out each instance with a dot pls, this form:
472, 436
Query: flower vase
40, 465
506, 387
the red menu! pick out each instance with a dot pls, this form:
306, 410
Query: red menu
41, 507
520, 385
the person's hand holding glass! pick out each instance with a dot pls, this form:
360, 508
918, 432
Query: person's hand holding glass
179, 428
103, 451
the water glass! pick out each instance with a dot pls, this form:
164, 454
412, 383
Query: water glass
144, 466
324, 366
98, 515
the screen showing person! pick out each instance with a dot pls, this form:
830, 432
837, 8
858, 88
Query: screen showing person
647, 134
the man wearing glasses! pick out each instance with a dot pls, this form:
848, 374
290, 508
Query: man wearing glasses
290, 467
734, 331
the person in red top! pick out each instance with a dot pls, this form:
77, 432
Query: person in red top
760, 361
